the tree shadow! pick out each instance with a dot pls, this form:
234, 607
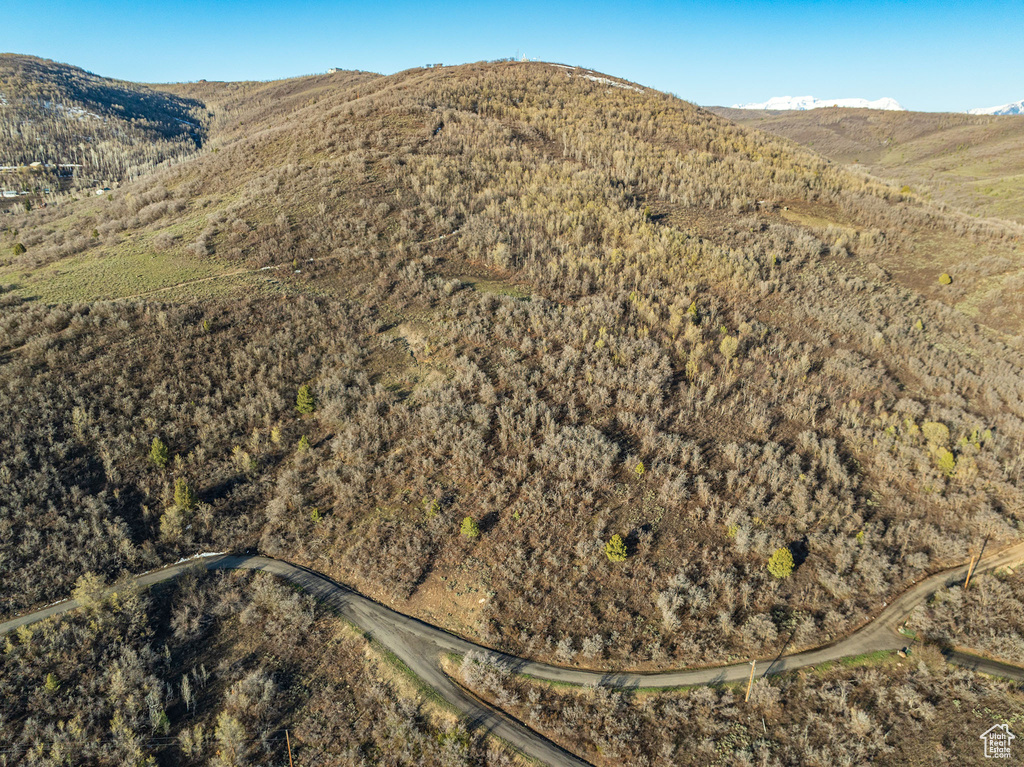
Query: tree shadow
488, 521
782, 653
800, 550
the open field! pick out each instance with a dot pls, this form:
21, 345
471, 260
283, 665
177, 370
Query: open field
112, 273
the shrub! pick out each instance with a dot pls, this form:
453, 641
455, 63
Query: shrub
946, 461
729, 346
90, 591
303, 444
470, 528
936, 433
231, 737
945, 279
615, 549
781, 564
172, 523
304, 402
17, 249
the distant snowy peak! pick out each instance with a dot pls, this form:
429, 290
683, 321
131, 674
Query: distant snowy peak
809, 102
1016, 108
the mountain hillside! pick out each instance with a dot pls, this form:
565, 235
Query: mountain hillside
234, 106
975, 163
370, 308
76, 125
558, 362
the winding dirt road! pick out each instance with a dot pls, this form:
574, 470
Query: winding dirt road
420, 645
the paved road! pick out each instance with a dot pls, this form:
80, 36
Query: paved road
419, 645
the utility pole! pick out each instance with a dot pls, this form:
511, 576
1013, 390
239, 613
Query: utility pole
289, 742
970, 571
750, 682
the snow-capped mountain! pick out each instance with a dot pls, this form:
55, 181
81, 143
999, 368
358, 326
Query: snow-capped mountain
809, 102
1016, 108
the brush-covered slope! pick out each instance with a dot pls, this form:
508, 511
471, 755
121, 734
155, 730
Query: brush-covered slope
209, 672
972, 162
562, 305
235, 106
102, 130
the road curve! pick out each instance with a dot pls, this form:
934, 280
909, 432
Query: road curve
420, 645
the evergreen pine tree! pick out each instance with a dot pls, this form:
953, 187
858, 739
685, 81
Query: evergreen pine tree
304, 402
158, 454
184, 496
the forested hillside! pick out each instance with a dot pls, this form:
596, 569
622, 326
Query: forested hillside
99, 130
563, 306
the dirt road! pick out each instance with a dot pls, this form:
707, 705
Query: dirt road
420, 645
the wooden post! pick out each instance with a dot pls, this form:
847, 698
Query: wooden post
750, 682
288, 740
970, 571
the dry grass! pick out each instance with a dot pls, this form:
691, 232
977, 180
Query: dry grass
116, 272
974, 162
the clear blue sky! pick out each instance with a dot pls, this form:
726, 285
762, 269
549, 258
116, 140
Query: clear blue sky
928, 55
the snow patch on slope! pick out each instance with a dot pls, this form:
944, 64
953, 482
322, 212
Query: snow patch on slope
592, 76
200, 555
77, 112
606, 81
810, 102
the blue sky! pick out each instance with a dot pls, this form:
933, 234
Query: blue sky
937, 56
